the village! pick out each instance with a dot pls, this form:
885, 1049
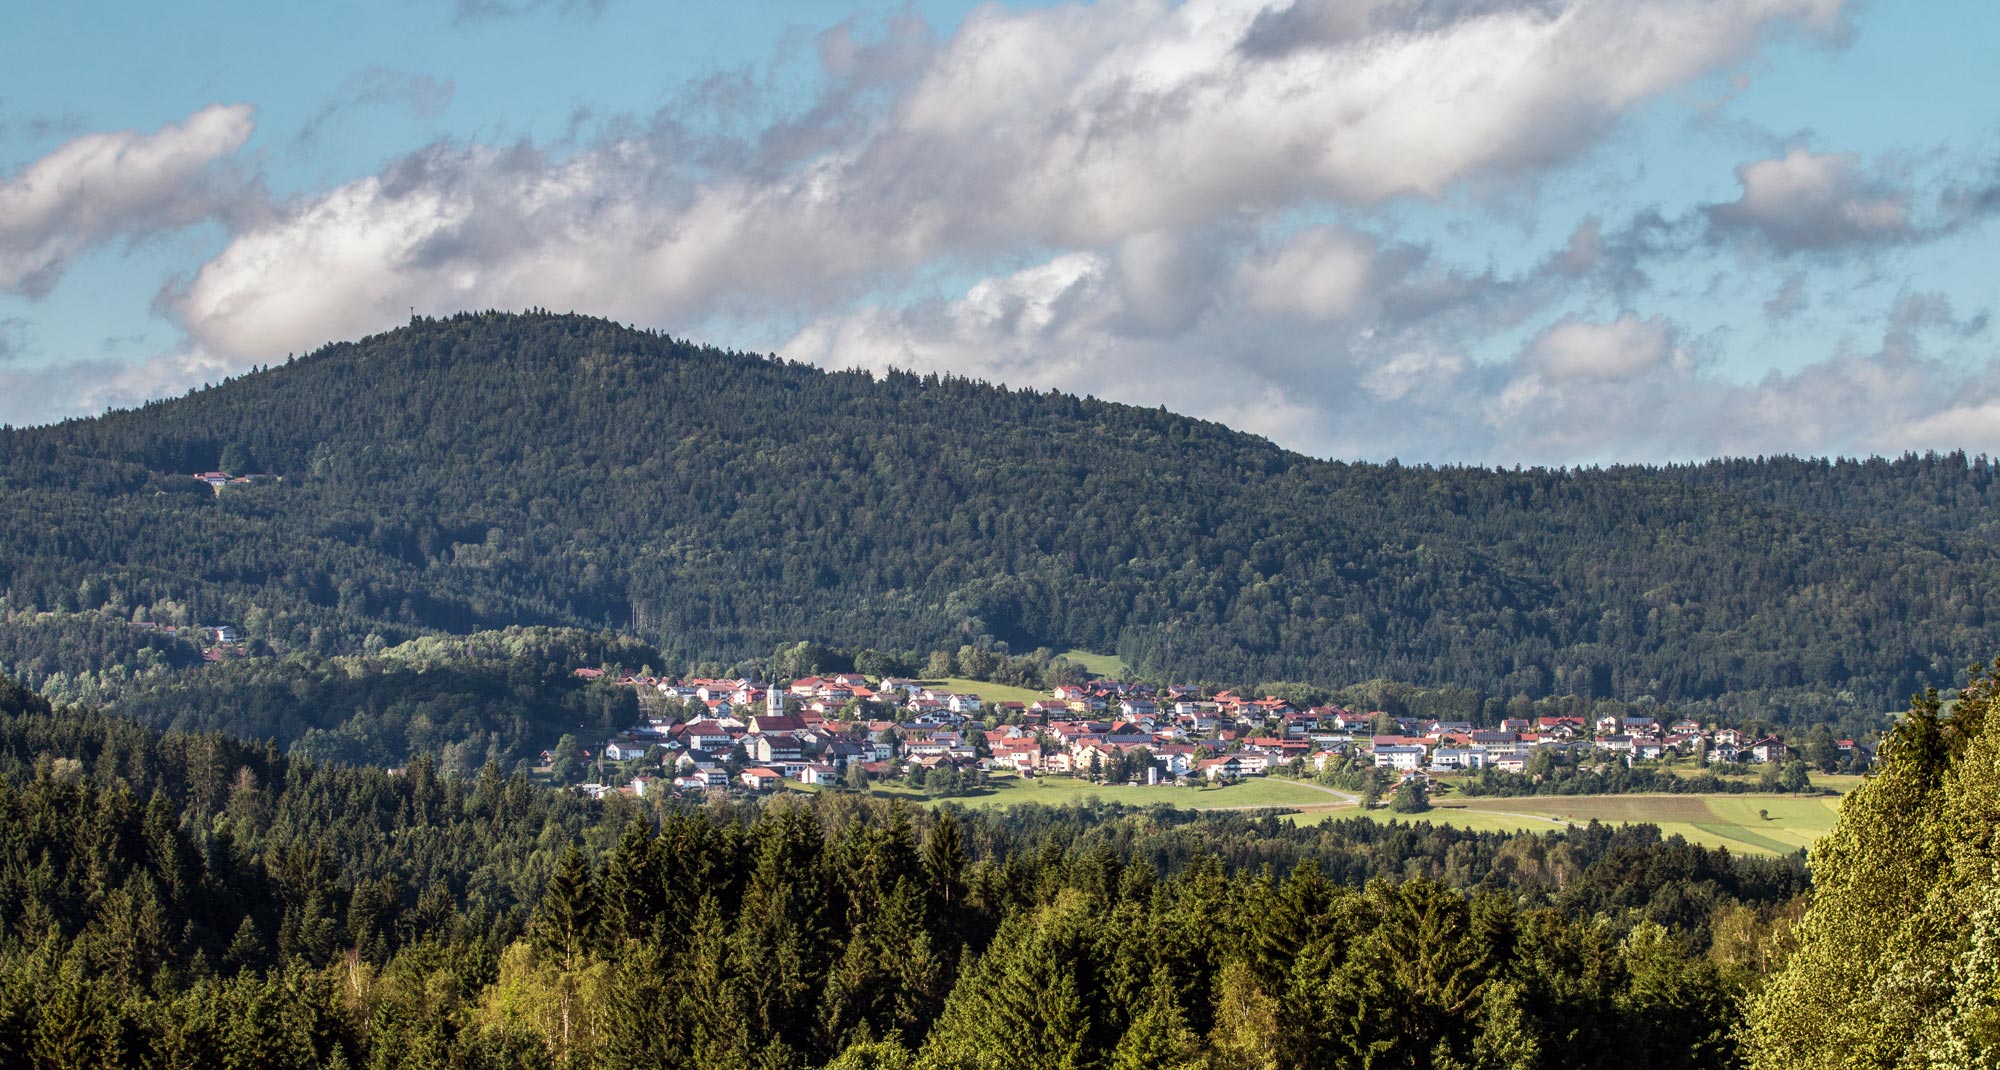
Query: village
744, 736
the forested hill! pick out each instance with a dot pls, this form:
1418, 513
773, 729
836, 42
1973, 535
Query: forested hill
494, 470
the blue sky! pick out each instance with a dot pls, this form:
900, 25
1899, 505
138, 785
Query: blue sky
1496, 231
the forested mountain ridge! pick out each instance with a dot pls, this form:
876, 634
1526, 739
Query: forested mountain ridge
492, 470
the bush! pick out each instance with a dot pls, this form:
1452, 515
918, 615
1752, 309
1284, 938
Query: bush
1412, 797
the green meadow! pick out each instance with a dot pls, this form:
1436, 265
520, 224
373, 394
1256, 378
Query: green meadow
1105, 666
989, 692
1757, 824
1754, 823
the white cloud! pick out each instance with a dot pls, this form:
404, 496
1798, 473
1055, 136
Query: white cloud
1068, 324
47, 393
1410, 373
1040, 325
106, 186
1322, 273
1631, 388
615, 231
1804, 200
1131, 129
1663, 406
1579, 349
1969, 425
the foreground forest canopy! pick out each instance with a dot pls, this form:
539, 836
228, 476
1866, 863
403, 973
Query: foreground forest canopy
178, 900
494, 470
1897, 963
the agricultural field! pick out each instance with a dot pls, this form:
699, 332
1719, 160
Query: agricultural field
1756, 824
1750, 823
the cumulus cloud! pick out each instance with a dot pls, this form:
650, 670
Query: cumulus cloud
1899, 395
1404, 374
1626, 387
1067, 323
1137, 115
1042, 323
614, 231
1579, 349
1321, 273
1133, 130
1805, 201
108, 186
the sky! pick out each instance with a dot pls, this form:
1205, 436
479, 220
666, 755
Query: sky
1448, 231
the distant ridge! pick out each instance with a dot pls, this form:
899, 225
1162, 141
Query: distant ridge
494, 469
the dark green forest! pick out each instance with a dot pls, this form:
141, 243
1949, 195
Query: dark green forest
488, 471
184, 900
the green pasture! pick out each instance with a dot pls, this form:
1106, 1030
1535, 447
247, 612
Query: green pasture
1756, 824
1104, 666
989, 692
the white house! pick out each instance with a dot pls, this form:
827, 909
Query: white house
1406, 759
624, 750
1459, 758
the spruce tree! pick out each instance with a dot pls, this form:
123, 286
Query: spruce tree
566, 918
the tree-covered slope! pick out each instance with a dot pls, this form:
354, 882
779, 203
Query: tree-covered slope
181, 900
494, 470
1898, 959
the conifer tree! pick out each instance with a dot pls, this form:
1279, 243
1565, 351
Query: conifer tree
566, 919
1159, 1037
633, 898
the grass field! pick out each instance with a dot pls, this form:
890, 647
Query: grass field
1058, 791
1756, 824
1749, 823
990, 692
1107, 666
